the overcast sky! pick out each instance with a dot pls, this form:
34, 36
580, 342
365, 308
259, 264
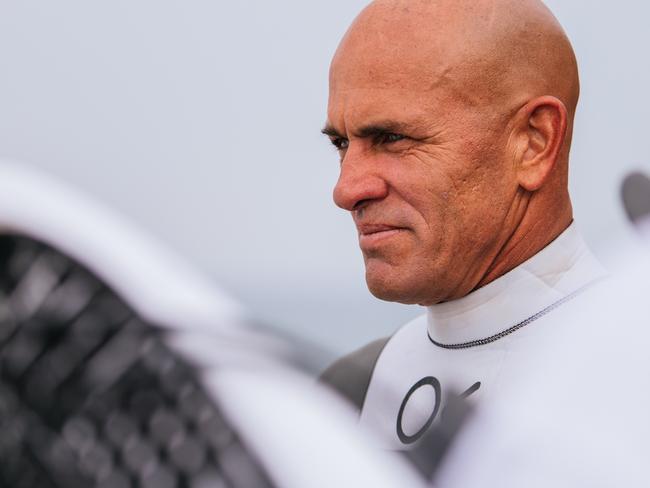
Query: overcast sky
200, 120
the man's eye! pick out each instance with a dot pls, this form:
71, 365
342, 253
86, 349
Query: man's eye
389, 138
340, 143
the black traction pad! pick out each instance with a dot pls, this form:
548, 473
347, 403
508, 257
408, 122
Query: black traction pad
91, 395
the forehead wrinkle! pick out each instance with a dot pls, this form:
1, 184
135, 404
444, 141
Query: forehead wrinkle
365, 112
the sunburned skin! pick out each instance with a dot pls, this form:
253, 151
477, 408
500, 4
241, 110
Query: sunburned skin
453, 120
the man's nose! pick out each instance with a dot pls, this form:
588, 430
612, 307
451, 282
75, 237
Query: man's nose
358, 185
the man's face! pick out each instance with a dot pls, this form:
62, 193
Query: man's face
424, 173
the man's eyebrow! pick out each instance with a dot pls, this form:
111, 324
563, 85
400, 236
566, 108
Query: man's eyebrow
370, 130
330, 131
381, 128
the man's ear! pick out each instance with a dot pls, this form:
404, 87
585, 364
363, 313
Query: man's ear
541, 133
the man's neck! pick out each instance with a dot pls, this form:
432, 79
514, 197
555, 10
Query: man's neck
530, 237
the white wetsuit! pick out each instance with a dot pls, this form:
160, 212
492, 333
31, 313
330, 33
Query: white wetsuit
472, 345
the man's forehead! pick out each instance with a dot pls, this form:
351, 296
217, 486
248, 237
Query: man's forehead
393, 51
364, 111
396, 48
370, 91
386, 71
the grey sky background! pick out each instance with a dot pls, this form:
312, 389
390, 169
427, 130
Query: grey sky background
200, 120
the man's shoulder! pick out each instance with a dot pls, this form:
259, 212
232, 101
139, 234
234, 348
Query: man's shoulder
351, 374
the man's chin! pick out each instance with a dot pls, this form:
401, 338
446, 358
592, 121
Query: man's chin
389, 290
388, 283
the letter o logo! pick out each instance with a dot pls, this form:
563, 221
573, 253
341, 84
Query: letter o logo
410, 439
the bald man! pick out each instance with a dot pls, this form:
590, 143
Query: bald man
453, 121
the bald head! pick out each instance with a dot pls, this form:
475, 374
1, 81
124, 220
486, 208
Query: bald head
477, 97
497, 52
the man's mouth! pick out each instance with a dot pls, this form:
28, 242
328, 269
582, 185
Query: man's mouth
373, 234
